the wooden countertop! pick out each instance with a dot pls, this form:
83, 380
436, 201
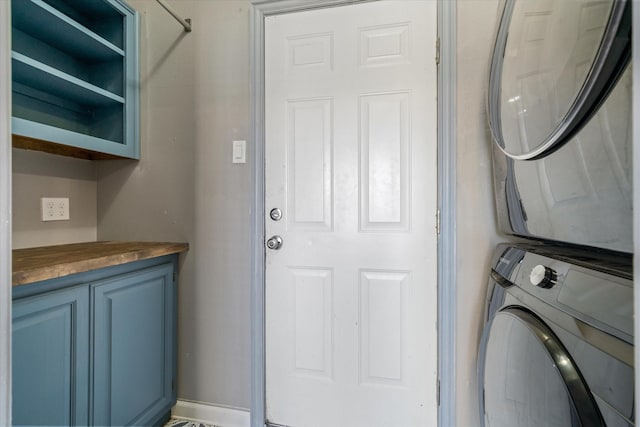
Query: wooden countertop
48, 262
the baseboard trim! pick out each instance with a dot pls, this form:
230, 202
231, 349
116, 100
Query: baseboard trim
222, 416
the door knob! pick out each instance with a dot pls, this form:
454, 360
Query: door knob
274, 243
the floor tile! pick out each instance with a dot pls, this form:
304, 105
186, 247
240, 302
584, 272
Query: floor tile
175, 422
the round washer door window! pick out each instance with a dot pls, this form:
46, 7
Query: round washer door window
554, 62
529, 378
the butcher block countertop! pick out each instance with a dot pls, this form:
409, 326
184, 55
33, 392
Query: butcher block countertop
48, 262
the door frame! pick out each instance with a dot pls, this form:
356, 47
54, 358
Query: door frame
446, 148
636, 192
5, 213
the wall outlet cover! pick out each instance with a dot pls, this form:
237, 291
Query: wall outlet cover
54, 208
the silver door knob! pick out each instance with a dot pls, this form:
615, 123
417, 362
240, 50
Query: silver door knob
274, 243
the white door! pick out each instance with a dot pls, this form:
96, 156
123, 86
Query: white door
351, 163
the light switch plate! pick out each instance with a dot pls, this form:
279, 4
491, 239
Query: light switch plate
54, 208
239, 152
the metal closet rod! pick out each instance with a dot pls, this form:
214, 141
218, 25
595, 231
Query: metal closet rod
186, 23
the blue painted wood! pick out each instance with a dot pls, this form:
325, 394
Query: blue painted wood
45, 98
62, 136
133, 358
37, 75
132, 92
99, 16
50, 359
76, 66
61, 31
84, 53
32, 109
97, 348
51, 285
105, 74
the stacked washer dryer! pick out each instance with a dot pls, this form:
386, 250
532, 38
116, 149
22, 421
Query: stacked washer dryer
557, 346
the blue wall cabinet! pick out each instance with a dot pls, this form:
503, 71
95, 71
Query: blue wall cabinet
50, 358
132, 358
96, 348
75, 77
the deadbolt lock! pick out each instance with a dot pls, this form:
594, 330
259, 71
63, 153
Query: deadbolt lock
275, 214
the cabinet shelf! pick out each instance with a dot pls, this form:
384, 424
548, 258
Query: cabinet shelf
32, 73
37, 136
39, 19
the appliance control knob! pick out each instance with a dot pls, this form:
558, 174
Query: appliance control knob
544, 277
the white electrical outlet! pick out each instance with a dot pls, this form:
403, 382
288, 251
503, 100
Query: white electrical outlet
55, 208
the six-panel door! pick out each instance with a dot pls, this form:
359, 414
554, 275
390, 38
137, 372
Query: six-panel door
51, 359
351, 161
133, 347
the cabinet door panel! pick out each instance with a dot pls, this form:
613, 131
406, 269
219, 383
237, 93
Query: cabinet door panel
50, 360
133, 354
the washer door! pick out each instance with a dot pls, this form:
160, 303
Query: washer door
529, 378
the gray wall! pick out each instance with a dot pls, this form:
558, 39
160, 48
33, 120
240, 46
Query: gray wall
477, 232
37, 175
194, 103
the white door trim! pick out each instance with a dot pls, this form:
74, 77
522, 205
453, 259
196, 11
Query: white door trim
446, 199
5, 213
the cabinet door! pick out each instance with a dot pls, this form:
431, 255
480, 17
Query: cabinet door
50, 359
133, 357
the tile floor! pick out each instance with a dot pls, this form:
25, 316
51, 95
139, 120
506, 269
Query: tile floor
175, 422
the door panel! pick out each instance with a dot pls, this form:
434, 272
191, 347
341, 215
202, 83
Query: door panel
313, 323
351, 162
383, 337
310, 195
384, 162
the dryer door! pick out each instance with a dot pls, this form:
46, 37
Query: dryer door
582, 193
530, 379
553, 64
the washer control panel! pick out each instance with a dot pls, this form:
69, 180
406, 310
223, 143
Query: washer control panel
594, 297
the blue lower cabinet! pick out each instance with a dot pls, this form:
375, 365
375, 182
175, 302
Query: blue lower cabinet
133, 348
97, 348
50, 358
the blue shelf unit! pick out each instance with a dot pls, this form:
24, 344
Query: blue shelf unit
75, 76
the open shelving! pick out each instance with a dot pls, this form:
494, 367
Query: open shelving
75, 77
